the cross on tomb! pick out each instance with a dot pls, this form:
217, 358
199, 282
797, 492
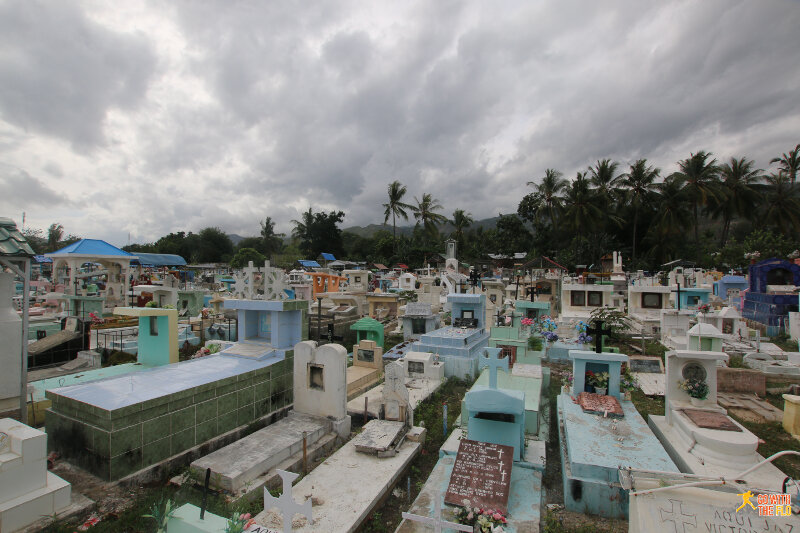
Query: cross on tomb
678, 296
499, 316
474, 279
249, 273
331, 337
460, 286
597, 331
493, 362
678, 518
285, 504
437, 521
533, 292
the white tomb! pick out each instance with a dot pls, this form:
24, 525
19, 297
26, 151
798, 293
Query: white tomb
28, 492
423, 365
674, 327
324, 370
727, 320
407, 281
10, 348
395, 394
702, 439
645, 304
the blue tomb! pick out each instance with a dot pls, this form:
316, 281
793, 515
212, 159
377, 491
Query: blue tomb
768, 299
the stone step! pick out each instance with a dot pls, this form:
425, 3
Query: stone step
239, 463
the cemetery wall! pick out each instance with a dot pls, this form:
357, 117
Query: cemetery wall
114, 443
741, 380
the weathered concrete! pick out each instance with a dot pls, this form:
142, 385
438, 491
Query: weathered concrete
240, 463
378, 436
345, 489
419, 389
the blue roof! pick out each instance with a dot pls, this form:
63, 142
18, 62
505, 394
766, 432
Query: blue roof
328, 257
89, 247
159, 259
308, 264
733, 279
42, 259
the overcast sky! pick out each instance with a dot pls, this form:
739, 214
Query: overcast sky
150, 117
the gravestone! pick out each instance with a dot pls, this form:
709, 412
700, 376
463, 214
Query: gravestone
481, 476
646, 365
437, 521
323, 370
286, 504
395, 393
274, 283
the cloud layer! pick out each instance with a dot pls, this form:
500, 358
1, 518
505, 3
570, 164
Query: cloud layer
152, 117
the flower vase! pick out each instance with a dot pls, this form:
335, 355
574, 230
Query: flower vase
697, 402
600, 390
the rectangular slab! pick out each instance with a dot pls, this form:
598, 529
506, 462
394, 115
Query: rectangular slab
377, 436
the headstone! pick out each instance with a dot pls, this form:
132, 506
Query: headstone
646, 365
418, 309
437, 522
491, 360
274, 283
395, 393
481, 475
287, 506
378, 436
320, 382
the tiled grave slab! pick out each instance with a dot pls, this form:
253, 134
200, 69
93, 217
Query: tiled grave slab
600, 404
711, 420
377, 436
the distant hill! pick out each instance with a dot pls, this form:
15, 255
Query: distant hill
235, 239
447, 228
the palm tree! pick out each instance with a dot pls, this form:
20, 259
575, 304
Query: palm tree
460, 222
303, 227
54, 235
737, 192
639, 186
549, 191
604, 178
395, 207
581, 206
672, 215
781, 207
698, 176
425, 212
789, 164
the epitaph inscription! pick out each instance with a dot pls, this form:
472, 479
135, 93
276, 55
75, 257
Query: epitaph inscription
481, 475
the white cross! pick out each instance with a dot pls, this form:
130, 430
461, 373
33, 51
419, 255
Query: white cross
491, 360
274, 283
285, 504
249, 272
437, 520
502, 473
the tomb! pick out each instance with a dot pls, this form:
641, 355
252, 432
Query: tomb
645, 304
578, 300
11, 348
396, 404
382, 305
424, 375
690, 297
530, 309
460, 344
265, 327
698, 434
429, 292
649, 374
318, 417
674, 326
771, 295
730, 288
704, 337
369, 329
596, 441
727, 320
418, 320
158, 334
769, 365
514, 344
366, 369
407, 281
357, 280
28, 492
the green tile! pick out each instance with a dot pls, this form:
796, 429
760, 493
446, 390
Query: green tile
204, 396
245, 396
182, 419
226, 381
156, 429
246, 382
245, 415
155, 410
101, 442
155, 451
226, 404
262, 407
176, 405
126, 421
126, 439
206, 411
206, 431
261, 391
182, 441
125, 464
227, 389
226, 423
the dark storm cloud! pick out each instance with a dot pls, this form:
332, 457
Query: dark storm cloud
23, 191
60, 72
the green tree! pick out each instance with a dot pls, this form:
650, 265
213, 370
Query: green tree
604, 179
213, 246
272, 242
395, 206
639, 186
319, 232
581, 206
511, 236
781, 207
737, 194
789, 163
698, 175
245, 255
768, 243
549, 192
671, 219
426, 213
461, 221
55, 233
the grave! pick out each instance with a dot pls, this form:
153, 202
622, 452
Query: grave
772, 293
382, 305
578, 300
459, 345
704, 337
513, 344
28, 492
11, 348
369, 329
690, 297
645, 304
318, 416
158, 334
674, 326
694, 447
418, 320
769, 365
727, 320
366, 369
424, 375
395, 395
649, 374
594, 447
379, 436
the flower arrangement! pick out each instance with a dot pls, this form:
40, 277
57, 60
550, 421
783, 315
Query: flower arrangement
526, 321
705, 308
238, 524
627, 381
550, 336
581, 326
583, 338
96, 320
567, 378
205, 312
597, 380
694, 387
484, 520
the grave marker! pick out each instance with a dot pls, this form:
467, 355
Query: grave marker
437, 522
597, 331
481, 475
493, 363
285, 504
678, 297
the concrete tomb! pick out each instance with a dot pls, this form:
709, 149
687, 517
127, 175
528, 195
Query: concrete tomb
698, 434
395, 394
704, 337
367, 368
419, 320
595, 446
10, 348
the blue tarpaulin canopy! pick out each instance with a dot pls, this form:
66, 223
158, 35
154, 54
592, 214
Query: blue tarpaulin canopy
158, 260
308, 264
89, 247
328, 257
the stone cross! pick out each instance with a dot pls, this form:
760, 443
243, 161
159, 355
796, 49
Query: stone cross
240, 285
678, 518
499, 316
493, 362
437, 521
597, 331
533, 292
249, 272
274, 283
678, 297
285, 504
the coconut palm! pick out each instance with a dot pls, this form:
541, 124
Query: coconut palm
395, 207
737, 194
425, 213
698, 176
581, 206
604, 178
54, 235
638, 185
789, 164
781, 207
672, 216
460, 222
549, 192
302, 227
